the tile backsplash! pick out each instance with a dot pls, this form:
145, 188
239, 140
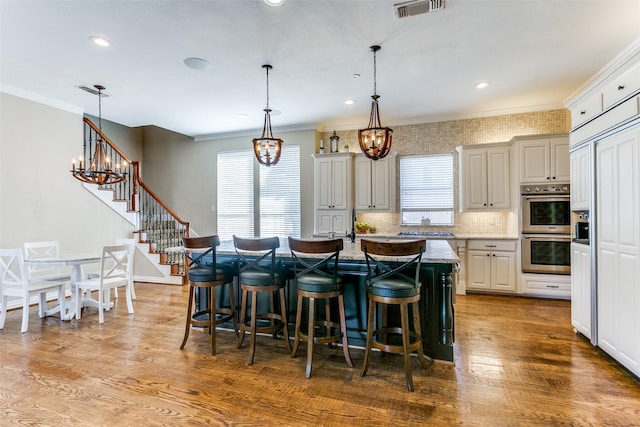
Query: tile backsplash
442, 137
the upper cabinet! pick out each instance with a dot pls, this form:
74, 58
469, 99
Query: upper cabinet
544, 159
580, 173
376, 183
333, 192
484, 177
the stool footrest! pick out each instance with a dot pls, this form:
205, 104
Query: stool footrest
414, 340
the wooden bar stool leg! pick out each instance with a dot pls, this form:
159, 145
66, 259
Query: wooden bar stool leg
404, 316
285, 326
367, 350
418, 328
343, 328
310, 335
189, 311
253, 327
243, 317
296, 337
212, 318
232, 304
327, 317
272, 310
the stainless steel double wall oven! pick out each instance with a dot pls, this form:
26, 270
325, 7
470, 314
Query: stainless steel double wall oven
546, 228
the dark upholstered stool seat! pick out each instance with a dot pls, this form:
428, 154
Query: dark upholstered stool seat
260, 274
209, 276
317, 278
394, 284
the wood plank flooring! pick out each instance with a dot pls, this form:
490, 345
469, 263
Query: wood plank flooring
517, 363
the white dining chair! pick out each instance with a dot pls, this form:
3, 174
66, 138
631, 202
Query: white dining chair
15, 282
47, 249
121, 241
116, 268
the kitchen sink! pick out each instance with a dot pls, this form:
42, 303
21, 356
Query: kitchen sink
427, 233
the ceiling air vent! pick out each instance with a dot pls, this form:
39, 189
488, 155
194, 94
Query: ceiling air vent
417, 7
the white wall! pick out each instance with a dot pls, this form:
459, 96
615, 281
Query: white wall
39, 199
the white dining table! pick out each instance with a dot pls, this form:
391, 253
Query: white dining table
76, 261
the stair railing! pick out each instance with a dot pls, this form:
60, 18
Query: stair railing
158, 224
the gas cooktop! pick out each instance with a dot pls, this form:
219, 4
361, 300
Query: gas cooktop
427, 233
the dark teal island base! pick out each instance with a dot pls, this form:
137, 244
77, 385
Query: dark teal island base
436, 305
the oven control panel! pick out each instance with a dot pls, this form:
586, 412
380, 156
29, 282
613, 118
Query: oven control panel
544, 189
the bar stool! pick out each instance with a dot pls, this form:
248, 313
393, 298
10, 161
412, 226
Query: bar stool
387, 283
204, 274
259, 274
318, 279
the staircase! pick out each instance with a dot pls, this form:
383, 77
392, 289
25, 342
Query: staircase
159, 230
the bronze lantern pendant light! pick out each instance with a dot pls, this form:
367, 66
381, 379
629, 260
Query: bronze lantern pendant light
267, 148
99, 170
375, 141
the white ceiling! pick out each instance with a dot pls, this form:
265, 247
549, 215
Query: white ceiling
536, 54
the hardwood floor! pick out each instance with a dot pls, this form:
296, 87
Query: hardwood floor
518, 363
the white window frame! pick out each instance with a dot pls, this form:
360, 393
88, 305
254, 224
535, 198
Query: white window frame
426, 189
256, 200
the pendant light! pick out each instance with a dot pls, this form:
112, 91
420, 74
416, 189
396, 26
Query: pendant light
375, 141
267, 148
99, 170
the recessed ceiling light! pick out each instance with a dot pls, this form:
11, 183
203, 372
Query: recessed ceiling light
274, 2
197, 64
482, 85
356, 76
349, 102
242, 115
99, 41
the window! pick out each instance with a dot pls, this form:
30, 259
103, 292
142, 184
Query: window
254, 200
426, 189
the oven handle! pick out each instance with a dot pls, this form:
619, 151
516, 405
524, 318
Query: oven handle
549, 237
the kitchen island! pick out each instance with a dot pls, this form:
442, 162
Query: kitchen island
436, 299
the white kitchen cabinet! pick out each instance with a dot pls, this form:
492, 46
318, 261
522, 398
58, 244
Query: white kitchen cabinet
491, 265
484, 178
376, 183
580, 173
544, 159
618, 246
333, 192
581, 289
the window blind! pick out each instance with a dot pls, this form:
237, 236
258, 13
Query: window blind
235, 194
426, 189
255, 200
280, 195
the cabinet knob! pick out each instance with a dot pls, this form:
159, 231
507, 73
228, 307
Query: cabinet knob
621, 87
553, 177
582, 113
484, 204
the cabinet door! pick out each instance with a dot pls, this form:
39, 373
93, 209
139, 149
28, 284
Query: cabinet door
324, 183
340, 182
503, 271
498, 178
332, 220
535, 160
581, 289
560, 170
478, 269
618, 246
475, 179
363, 183
380, 183
580, 179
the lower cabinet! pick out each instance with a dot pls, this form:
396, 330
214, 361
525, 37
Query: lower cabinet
491, 265
581, 289
546, 285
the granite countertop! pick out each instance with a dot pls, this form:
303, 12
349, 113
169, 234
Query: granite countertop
437, 251
455, 236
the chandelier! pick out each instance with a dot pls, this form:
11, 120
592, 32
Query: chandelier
267, 148
99, 170
375, 141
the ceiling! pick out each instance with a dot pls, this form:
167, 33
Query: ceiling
535, 54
